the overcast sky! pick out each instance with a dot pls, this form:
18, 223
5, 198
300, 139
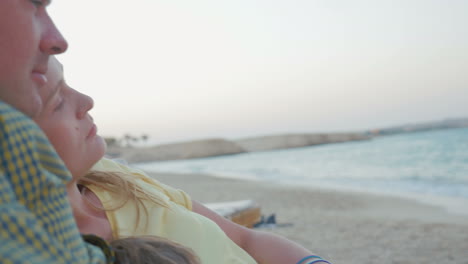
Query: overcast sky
184, 69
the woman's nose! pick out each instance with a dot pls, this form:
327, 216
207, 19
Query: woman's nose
86, 104
52, 41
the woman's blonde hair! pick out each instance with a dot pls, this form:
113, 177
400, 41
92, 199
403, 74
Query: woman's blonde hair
123, 184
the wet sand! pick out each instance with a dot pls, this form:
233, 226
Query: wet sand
342, 226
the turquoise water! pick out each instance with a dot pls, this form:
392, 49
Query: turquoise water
433, 163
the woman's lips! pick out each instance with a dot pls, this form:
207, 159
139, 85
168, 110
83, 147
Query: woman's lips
39, 78
92, 131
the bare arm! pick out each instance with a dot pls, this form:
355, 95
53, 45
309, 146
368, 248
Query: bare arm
262, 246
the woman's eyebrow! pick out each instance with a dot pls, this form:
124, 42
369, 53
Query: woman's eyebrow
54, 91
57, 87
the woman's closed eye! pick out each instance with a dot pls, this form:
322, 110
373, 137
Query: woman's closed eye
59, 104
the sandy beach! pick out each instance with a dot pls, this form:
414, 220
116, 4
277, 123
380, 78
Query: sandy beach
344, 227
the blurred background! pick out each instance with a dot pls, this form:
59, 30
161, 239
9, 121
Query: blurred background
181, 70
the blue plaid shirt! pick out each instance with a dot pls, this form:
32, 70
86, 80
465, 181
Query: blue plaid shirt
36, 220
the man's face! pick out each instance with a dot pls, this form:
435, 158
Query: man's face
27, 38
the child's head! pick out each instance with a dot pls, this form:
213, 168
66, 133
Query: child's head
66, 122
151, 249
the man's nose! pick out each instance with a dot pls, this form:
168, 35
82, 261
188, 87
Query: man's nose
52, 41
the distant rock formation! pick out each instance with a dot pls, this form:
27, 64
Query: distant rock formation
297, 140
218, 147
419, 127
176, 151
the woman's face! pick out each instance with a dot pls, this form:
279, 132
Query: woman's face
66, 122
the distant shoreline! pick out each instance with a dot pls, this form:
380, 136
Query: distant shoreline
420, 127
219, 147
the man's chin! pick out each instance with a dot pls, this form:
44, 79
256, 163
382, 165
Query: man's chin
32, 108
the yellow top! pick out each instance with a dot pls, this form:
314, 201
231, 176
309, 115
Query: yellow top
177, 222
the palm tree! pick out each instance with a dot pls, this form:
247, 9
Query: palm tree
127, 138
144, 138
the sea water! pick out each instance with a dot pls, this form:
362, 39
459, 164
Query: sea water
431, 166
